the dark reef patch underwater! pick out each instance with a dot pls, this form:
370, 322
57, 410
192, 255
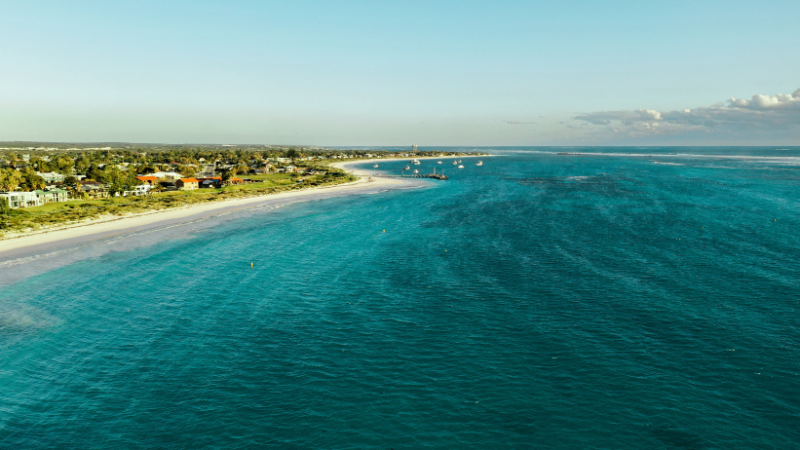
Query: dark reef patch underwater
612, 299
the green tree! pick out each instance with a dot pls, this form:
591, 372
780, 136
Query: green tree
31, 181
94, 172
187, 171
228, 175
116, 180
40, 164
73, 185
5, 208
64, 165
292, 153
10, 179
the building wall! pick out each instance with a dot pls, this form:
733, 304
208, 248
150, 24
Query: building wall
22, 199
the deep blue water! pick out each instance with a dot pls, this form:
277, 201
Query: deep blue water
539, 301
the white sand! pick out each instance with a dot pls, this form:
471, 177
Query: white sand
115, 224
120, 224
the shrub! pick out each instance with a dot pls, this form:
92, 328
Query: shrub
5, 208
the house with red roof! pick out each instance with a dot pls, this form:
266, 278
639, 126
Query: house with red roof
187, 184
151, 180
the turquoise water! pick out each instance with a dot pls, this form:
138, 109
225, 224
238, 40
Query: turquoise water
540, 301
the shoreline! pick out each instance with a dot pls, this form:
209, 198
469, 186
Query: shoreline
114, 225
93, 229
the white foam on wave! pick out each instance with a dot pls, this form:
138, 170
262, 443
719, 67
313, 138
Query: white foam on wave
32, 258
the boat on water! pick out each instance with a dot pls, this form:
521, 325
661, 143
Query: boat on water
455, 163
407, 168
480, 163
415, 161
416, 171
460, 166
438, 162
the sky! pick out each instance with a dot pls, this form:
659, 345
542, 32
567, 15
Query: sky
367, 73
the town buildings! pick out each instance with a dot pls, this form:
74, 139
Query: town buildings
51, 177
187, 184
148, 179
52, 196
40, 197
137, 191
168, 176
21, 199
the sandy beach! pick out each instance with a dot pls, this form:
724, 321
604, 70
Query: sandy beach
76, 233
108, 226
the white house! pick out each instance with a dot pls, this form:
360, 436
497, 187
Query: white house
137, 191
170, 176
51, 177
51, 196
21, 199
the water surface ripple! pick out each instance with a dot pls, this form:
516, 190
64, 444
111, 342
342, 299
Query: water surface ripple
540, 301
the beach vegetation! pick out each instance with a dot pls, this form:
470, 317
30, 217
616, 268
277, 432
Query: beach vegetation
91, 172
5, 208
65, 213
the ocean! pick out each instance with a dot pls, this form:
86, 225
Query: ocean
612, 298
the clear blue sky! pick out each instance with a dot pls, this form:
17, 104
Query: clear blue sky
392, 73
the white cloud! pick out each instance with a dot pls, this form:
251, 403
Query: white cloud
758, 101
778, 112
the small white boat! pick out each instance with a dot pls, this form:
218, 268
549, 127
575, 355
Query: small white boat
375, 166
460, 166
416, 171
415, 162
480, 163
439, 162
455, 163
407, 168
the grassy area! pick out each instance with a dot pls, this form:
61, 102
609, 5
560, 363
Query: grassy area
275, 178
55, 214
60, 206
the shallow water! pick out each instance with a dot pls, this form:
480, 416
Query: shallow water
540, 301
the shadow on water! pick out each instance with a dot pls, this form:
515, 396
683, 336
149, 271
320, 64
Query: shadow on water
677, 438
